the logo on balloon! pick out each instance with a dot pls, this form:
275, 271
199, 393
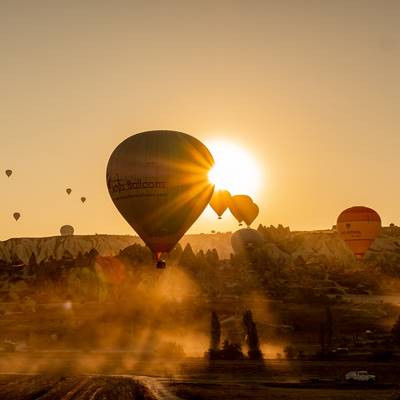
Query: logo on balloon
148, 186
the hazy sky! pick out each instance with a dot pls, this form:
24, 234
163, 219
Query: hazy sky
310, 88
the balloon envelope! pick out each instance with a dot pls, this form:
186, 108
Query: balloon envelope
245, 240
16, 216
68, 191
110, 270
83, 199
158, 180
220, 201
66, 230
250, 214
8, 172
359, 227
239, 206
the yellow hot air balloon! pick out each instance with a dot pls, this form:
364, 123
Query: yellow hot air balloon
359, 227
220, 201
239, 206
250, 213
158, 180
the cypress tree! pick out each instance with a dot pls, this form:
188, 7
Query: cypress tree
251, 336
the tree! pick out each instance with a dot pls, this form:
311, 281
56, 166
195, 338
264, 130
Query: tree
215, 332
188, 258
251, 336
231, 351
212, 257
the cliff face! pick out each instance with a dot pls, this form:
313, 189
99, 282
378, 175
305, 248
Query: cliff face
316, 247
281, 245
20, 250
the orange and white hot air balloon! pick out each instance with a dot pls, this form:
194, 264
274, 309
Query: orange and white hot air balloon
359, 227
220, 201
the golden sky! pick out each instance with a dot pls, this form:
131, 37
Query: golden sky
310, 88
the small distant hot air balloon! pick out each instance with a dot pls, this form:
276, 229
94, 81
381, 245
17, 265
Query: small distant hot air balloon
220, 201
245, 240
9, 172
68, 191
67, 230
359, 227
83, 199
158, 180
239, 206
16, 216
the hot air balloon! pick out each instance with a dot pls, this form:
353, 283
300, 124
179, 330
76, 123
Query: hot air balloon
83, 199
68, 191
16, 216
359, 227
250, 214
220, 201
67, 230
239, 206
110, 270
9, 172
245, 240
158, 180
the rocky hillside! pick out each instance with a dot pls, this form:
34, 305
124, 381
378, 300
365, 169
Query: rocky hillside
22, 250
281, 245
316, 247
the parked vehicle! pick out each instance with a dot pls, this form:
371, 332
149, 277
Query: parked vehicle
360, 376
341, 350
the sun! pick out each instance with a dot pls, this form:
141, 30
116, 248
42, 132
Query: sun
235, 169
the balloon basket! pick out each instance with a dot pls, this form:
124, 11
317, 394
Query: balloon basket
161, 264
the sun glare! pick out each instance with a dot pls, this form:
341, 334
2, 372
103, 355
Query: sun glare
234, 170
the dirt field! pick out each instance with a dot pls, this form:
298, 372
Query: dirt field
117, 376
258, 392
60, 387
45, 387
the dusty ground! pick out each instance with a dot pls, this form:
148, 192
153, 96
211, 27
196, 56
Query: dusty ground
46, 387
54, 387
254, 391
115, 377
193, 369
